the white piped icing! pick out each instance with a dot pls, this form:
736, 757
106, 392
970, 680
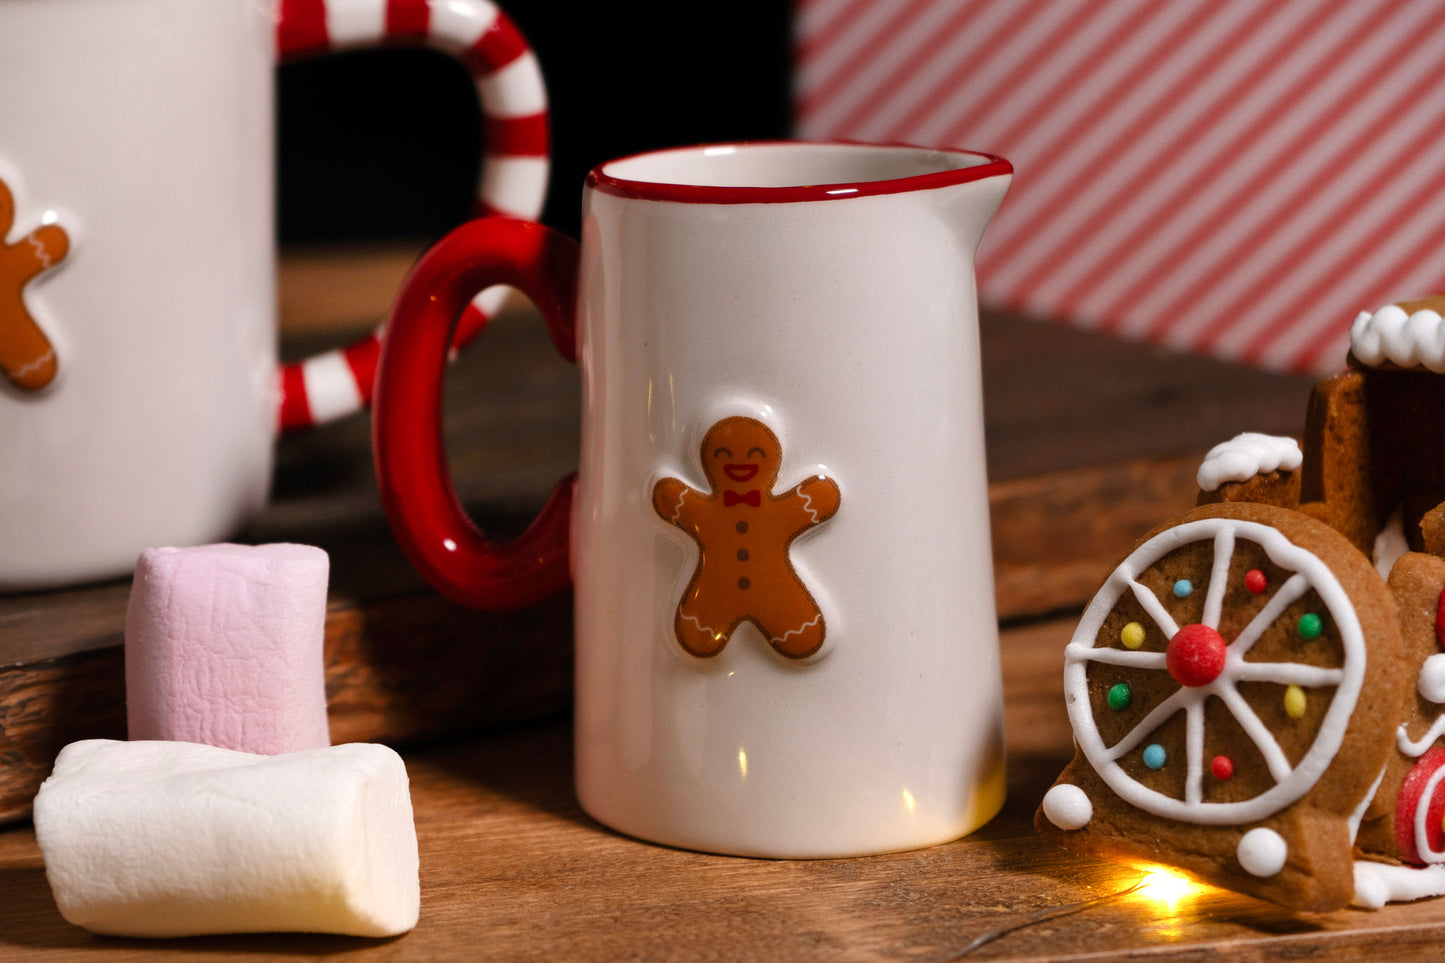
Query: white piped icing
1414, 748
1379, 883
1409, 340
1262, 852
1068, 807
1358, 815
1292, 780
1246, 455
1430, 683
1427, 852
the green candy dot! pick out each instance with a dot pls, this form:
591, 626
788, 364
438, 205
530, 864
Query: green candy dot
1310, 626
1119, 696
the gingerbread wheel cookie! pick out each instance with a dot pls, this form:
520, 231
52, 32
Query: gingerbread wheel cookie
1229, 688
1131, 746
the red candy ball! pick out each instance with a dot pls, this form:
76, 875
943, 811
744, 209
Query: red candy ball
1256, 581
1195, 655
1222, 767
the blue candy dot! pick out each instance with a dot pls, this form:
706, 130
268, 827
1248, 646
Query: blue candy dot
1154, 756
1182, 588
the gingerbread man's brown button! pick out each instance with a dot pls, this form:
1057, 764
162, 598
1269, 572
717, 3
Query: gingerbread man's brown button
743, 532
26, 354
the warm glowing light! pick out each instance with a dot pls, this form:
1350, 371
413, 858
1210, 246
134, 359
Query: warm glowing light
743, 763
449, 545
908, 802
1166, 888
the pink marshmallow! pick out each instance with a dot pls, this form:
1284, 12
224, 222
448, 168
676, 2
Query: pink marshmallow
223, 646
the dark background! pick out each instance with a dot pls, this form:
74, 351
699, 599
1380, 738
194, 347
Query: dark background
384, 144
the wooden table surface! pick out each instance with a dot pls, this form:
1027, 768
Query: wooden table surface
1091, 442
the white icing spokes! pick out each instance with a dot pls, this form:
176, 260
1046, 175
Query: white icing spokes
1287, 595
1149, 723
1126, 657
1291, 780
1258, 732
1288, 673
1218, 577
1194, 751
1154, 608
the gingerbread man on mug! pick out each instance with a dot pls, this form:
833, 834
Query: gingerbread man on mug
743, 532
26, 355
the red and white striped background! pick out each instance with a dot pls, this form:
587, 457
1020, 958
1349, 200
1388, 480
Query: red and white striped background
1232, 177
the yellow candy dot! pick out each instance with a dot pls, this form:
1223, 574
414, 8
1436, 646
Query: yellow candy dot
1132, 635
1294, 702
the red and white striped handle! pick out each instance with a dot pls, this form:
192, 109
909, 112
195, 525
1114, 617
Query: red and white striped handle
513, 176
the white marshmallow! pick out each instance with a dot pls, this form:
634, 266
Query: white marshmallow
179, 839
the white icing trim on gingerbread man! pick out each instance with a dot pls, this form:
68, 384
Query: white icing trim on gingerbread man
744, 529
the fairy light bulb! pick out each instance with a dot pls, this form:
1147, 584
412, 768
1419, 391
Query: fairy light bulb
1167, 889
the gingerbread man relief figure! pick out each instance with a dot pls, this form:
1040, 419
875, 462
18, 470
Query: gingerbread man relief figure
26, 354
743, 533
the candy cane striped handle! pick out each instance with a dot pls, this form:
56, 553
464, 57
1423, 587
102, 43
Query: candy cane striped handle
513, 176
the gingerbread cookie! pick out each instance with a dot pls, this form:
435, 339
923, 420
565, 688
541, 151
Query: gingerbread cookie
743, 533
1251, 467
26, 354
1258, 691
1234, 691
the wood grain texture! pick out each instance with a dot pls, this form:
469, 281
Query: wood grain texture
412, 666
1056, 536
399, 670
513, 870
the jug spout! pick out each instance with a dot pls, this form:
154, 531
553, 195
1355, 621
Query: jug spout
970, 207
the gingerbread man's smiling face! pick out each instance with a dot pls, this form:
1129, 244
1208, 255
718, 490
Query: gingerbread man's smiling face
741, 453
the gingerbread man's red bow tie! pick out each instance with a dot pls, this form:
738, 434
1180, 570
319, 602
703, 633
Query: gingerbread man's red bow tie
753, 498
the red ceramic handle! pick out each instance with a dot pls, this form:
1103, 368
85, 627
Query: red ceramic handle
411, 466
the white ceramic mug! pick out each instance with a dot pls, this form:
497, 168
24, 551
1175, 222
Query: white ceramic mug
785, 628
137, 250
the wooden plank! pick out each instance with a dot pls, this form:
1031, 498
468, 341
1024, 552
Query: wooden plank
1058, 398
339, 288
512, 869
414, 666
400, 670
1056, 536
